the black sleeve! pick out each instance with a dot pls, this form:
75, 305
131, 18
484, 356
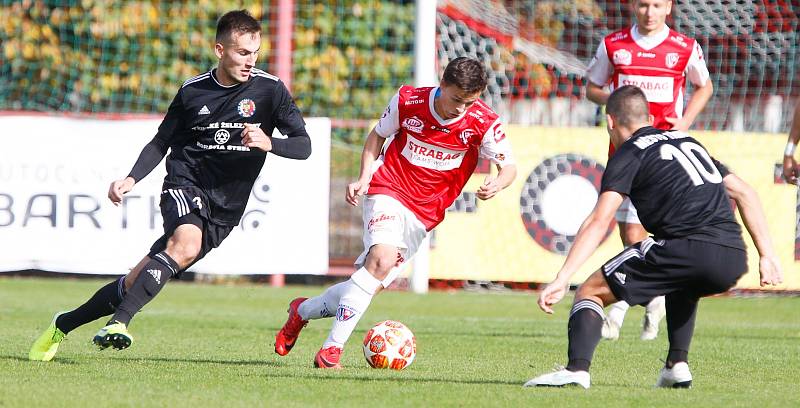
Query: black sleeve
153, 152
620, 172
723, 170
289, 121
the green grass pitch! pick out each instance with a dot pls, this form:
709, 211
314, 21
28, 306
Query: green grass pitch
211, 345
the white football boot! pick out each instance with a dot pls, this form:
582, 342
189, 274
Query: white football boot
561, 378
678, 376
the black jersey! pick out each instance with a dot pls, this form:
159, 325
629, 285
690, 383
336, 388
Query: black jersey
202, 129
675, 186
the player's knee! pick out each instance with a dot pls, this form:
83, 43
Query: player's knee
596, 289
184, 251
381, 260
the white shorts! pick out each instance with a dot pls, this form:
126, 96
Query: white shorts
627, 212
387, 221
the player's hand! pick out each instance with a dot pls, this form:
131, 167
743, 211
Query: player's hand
770, 270
789, 169
254, 137
552, 294
118, 188
355, 190
489, 188
679, 124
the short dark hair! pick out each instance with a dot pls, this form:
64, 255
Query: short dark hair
239, 21
467, 74
628, 105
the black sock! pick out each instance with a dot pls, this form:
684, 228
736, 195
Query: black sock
681, 313
585, 325
102, 303
152, 278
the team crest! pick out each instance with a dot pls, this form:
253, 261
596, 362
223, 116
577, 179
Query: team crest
247, 107
466, 135
622, 57
344, 313
672, 59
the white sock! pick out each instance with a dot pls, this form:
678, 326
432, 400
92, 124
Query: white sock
657, 303
323, 305
616, 313
356, 296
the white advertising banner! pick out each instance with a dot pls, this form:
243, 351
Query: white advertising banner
55, 214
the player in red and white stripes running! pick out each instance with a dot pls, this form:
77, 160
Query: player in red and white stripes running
658, 60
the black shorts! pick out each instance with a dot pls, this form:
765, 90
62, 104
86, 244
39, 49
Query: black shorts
185, 205
653, 268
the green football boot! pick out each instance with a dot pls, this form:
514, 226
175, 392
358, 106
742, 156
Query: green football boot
45, 347
114, 334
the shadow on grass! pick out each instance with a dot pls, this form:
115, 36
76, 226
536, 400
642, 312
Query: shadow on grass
203, 361
59, 361
477, 334
343, 376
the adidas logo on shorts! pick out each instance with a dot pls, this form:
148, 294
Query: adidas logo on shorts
620, 277
156, 274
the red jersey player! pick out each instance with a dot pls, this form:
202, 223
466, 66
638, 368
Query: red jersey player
414, 165
658, 60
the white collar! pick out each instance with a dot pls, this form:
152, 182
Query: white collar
649, 41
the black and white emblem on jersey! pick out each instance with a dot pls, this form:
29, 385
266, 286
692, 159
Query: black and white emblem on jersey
247, 108
557, 196
222, 136
204, 111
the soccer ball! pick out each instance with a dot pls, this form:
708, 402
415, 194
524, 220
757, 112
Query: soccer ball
390, 344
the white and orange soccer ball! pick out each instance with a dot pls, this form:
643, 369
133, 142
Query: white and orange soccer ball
390, 344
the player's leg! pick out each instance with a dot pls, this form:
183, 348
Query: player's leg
583, 331
183, 240
627, 277
354, 301
681, 314
712, 269
103, 303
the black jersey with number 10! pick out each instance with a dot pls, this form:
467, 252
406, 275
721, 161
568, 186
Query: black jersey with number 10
676, 187
203, 129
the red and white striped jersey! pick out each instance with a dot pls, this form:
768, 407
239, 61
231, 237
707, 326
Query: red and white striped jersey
658, 64
427, 160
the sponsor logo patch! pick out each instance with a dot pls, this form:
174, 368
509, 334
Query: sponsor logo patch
622, 57
430, 156
656, 89
222, 136
379, 221
413, 124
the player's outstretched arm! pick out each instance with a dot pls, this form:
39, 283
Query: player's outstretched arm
494, 184
372, 149
756, 223
589, 237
